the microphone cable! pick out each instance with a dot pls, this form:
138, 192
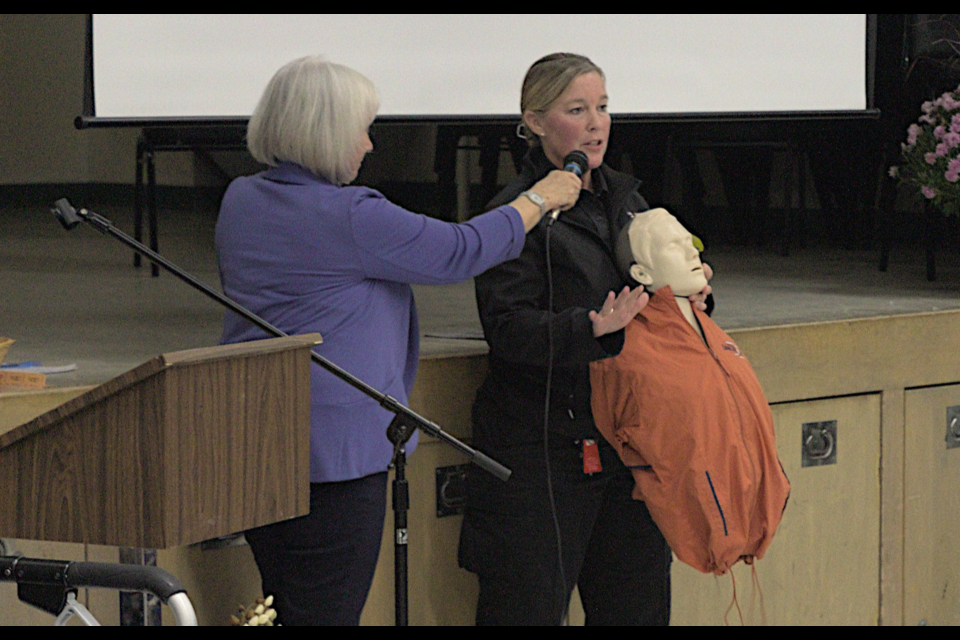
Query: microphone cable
546, 429
575, 162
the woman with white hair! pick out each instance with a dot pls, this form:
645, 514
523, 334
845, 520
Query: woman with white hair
299, 247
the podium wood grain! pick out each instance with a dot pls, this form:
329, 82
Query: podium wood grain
189, 446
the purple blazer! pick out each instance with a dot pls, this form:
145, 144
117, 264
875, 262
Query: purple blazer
309, 256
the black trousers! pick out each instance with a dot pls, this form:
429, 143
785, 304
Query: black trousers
611, 548
319, 567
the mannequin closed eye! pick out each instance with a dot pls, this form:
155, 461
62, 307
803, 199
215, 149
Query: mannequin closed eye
684, 247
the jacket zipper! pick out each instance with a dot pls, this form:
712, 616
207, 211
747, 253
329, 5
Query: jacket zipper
733, 395
717, 502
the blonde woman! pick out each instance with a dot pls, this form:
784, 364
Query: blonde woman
300, 247
610, 547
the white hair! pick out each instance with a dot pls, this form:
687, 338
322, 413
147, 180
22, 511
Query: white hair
313, 113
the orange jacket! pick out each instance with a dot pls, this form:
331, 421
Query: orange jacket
688, 417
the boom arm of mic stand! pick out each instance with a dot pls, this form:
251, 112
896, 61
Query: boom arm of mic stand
70, 218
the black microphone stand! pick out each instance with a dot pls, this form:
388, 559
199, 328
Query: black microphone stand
400, 430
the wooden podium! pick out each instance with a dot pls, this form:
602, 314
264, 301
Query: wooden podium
189, 446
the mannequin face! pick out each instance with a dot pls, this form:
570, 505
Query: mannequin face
675, 261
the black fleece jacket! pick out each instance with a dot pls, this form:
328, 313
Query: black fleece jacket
512, 301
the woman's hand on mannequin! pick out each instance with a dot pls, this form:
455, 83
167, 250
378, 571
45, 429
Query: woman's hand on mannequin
699, 300
618, 310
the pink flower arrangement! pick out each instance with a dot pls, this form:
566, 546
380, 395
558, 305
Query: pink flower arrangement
931, 154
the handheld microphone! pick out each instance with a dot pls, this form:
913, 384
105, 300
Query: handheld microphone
574, 162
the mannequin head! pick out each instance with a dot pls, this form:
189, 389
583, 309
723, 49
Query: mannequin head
656, 251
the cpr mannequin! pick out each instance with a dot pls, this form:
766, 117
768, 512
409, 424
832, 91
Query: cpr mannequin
685, 411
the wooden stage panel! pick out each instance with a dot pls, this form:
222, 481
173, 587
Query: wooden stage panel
932, 509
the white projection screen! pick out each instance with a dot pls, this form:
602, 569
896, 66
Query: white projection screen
448, 67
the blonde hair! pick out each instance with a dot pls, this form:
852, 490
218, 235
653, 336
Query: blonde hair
546, 80
313, 113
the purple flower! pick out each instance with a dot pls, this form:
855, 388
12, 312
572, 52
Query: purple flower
914, 130
941, 150
928, 193
939, 131
953, 170
951, 139
930, 157
955, 123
